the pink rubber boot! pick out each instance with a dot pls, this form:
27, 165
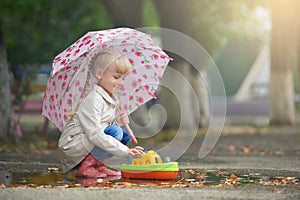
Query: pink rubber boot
104, 170
88, 168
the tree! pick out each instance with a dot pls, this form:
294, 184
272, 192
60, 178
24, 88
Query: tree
125, 13
210, 23
129, 13
171, 17
5, 107
44, 28
33, 32
285, 38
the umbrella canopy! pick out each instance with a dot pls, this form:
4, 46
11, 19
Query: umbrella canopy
70, 79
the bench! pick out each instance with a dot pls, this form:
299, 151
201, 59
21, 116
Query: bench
29, 105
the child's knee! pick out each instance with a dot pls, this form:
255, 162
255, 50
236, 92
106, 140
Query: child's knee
126, 139
114, 131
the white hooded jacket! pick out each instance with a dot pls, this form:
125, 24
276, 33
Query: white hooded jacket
85, 129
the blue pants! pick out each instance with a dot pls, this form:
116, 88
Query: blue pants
118, 133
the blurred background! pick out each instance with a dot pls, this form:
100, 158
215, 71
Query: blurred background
254, 43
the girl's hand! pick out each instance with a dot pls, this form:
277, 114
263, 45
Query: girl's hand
122, 119
135, 151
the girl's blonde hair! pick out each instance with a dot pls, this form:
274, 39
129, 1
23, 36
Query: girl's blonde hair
104, 58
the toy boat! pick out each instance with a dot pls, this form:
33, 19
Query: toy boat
149, 166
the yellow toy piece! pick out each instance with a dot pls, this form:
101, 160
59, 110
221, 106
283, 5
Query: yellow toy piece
149, 158
149, 166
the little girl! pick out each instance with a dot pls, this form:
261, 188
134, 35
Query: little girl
95, 133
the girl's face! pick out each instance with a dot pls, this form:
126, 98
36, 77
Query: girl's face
111, 80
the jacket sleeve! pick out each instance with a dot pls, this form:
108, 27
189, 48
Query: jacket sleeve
89, 115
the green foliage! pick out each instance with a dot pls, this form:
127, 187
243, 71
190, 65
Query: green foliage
150, 15
36, 30
217, 21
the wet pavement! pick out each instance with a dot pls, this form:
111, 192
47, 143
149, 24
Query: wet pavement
256, 163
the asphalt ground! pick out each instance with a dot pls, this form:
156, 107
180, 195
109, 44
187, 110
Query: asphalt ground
271, 151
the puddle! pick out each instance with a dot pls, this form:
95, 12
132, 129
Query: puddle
186, 178
34, 178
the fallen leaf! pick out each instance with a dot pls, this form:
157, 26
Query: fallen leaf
233, 177
247, 149
190, 180
232, 148
100, 180
53, 169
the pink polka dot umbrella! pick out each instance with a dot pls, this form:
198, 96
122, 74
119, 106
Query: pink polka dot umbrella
70, 80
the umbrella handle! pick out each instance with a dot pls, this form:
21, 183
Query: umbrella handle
134, 140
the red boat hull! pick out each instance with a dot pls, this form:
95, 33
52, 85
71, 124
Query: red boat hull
159, 175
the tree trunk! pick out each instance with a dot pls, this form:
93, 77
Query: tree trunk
5, 106
298, 63
298, 60
125, 12
128, 13
201, 91
177, 16
284, 19
175, 96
